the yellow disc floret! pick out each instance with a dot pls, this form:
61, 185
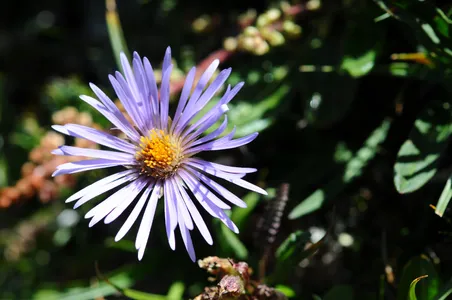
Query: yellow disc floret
159, 154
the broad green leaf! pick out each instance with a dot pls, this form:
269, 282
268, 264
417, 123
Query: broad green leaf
446, 290
115, 33
362, 42
416, 160
294, 243
444, 199
86, 293
240, 215
294, 249
250, 118
176, 291
230, 240
309, 205
359, 66
353, 168
429, 23
289, 292
426, 289
138, 295
412, 294
342, 292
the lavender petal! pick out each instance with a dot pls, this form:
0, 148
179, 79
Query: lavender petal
195, 214
86, 165
96, 136
94, 153
141, 184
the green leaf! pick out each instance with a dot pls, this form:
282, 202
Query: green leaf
416, 160
86, 293
231, 241
293, 244
353, 169
293, 250
362, 42
412, 294
289, 292
426, 289
176, 291
240, 215
429, 23
308, 205
446, 290
444, 199
249, 117
359, 66
139, 295
342, 292
115, 33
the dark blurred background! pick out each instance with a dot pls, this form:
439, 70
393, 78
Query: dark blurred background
333, 99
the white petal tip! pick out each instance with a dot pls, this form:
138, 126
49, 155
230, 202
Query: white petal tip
241, 204
123, 56
140, 253
57, 152
108, 221
172, 243
224, 108
70, 199
263, 192
60, 128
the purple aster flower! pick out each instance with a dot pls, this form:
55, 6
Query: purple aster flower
158, 155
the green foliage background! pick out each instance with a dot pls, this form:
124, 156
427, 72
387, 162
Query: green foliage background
358, 129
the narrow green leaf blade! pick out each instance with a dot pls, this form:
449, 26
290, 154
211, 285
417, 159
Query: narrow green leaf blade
444, 199
426, 289
412, 294
117, 40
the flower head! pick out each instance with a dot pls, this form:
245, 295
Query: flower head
158, 154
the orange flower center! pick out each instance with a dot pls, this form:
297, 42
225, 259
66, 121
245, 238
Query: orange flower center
159, 154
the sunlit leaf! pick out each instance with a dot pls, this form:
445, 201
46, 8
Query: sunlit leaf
429, 23
231, 241
86, 293
115, 33
138, 295
176, 291
250, 118
426, 289
289, 292
359, 66
412, 294
444, 199
353, 168
446, 290
417, 158
308, 205
294, 243
240, 215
